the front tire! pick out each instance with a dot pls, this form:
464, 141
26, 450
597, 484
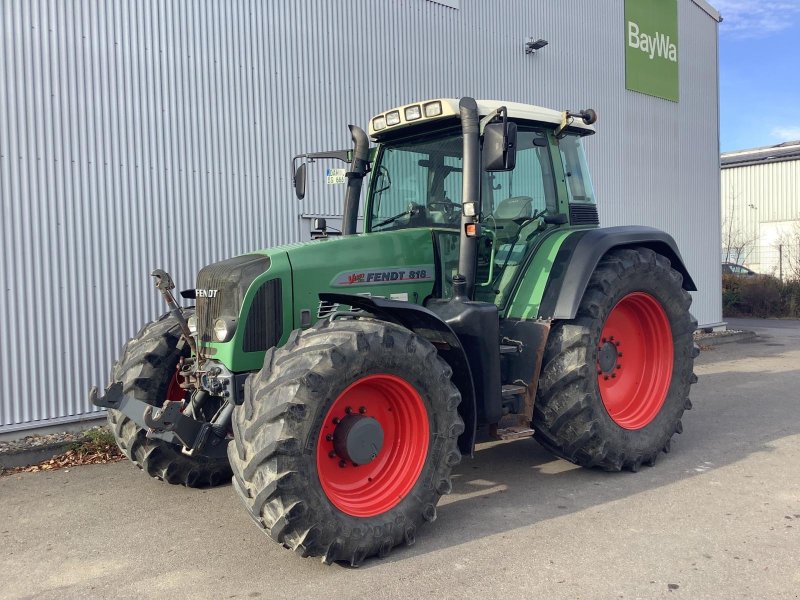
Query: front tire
615, 380
298, 484
147, 370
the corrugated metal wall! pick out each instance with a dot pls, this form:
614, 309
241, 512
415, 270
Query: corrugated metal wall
140, 133
758, 202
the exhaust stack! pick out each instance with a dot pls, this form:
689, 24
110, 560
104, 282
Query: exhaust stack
470, 193
355, 177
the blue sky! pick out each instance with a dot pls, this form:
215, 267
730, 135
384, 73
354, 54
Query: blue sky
759, 71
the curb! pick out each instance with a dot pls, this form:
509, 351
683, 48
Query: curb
742, 336
33, 456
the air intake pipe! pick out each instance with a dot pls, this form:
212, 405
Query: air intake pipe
355, 176
470, 193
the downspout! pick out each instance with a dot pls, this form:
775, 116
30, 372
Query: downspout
355, 176
470, 193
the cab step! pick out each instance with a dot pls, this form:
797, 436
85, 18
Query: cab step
514, 432
511, 390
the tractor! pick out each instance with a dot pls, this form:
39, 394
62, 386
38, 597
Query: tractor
337, 382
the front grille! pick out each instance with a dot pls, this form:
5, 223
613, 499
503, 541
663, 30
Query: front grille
264, 326
221, 288
583, 214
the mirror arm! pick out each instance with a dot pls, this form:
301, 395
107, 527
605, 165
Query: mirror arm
491, 117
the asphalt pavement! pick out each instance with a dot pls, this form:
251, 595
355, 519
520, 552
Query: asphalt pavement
718, 517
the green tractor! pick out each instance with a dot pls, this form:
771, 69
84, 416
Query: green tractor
339, 381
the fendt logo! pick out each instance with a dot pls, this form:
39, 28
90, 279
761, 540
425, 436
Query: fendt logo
654, 45
206, 293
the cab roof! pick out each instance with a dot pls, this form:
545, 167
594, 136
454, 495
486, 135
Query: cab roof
449, 110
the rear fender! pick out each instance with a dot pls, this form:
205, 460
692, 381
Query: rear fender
427, 324
578, 257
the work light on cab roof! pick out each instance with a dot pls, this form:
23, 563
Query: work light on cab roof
443, 108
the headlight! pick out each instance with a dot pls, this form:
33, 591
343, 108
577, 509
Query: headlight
192, 323
393, 118
224, 329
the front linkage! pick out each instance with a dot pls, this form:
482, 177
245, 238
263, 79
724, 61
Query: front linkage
169, 423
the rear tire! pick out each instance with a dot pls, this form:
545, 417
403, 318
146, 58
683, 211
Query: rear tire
147, 370
586, 410
286, 469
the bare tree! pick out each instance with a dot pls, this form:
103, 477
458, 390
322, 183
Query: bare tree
788, 246
736, 244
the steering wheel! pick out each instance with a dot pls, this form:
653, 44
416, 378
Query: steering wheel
451, 210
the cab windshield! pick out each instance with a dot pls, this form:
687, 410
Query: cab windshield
417, 183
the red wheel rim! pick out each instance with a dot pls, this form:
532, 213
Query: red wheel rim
634, 360
373, 488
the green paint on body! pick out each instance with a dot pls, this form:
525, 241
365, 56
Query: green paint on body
393, 264
527, 298
231, 353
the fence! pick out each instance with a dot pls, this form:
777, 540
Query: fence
781, 260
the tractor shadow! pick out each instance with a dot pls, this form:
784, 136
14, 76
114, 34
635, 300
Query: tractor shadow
511, 485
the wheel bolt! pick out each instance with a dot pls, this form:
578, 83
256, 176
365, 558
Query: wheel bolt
611, 339
617, 343
342, 464
332, 454
362, 410
613, 375
619, 366
348, 410
329, 437
604, 340
605, 377
336, 420
599, 372
619, 354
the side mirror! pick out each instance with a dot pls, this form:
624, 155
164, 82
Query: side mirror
300, 182
500, 146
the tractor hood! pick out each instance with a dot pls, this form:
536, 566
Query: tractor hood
261, 297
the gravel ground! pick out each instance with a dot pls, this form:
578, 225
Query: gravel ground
702, 335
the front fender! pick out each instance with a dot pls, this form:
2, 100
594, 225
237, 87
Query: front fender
427, 324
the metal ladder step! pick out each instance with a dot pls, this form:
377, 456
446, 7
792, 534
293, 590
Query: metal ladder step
512, 433
510, 390
508, 349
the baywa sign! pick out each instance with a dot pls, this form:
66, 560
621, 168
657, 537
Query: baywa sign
651, 47
658, 44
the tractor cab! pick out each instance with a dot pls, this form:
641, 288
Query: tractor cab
534, 183
532, 180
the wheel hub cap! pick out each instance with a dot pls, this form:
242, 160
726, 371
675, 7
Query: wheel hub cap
608, 357
358, 439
